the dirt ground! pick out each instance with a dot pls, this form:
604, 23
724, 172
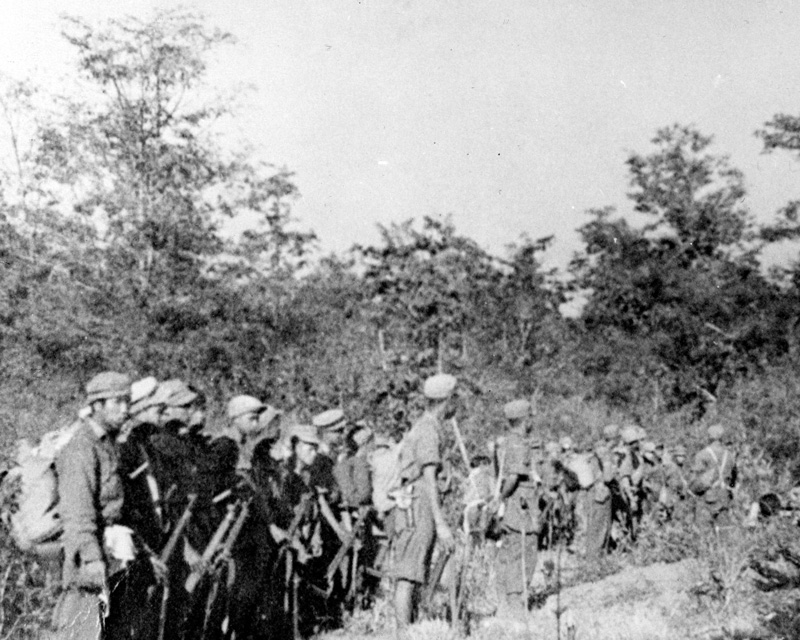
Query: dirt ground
657, 602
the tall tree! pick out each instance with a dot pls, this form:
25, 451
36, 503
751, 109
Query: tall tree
686, 286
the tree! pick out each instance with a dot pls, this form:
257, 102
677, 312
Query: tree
686, 286
428, 286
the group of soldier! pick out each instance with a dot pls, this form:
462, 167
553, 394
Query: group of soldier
271, 529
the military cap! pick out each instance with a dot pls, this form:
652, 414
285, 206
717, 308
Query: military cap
679, 450
240, 405
630, 434
177, 393
517, 409
268, 414
439, 387
143, 388
362, 435
108, 384
611, 432
716, 431
566, 443
306, 433
156, 397
331, 420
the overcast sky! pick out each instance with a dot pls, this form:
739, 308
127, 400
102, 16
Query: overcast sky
512, 115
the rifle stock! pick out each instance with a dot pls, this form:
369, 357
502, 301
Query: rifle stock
166, 552
210, 550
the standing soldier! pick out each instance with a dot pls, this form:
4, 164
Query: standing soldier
516, 557
653, 480
713, 478
90, 502
630, 472
676, 494
419, 519
599, 507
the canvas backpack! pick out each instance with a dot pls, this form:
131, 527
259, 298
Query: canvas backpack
29, 493
385, 469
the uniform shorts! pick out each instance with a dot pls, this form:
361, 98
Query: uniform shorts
414, 538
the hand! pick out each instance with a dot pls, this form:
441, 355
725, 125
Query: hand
445, 536
92, 575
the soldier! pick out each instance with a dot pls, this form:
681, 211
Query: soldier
652, 480
630, 472
676, 492
599, 501
90, 498
516, 557
418, 516
714, 475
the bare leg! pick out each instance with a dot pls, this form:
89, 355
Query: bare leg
403, 602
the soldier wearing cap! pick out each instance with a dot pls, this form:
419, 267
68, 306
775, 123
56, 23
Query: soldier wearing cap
653, 481
521, 520
142, 509
676, 494
599, 508
714, 474
630, 472
418, 515
90, 489
326, 474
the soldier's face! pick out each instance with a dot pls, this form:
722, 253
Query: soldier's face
247, 424
306, 452
113, 412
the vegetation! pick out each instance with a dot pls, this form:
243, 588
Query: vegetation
112, 256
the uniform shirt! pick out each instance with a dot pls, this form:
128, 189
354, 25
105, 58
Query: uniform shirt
676, 480
420, 448
521, 504
353, 475
631, 468
90, 492
714, 471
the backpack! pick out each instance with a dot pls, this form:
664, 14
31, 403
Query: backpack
384, 466
29, 493
581, 467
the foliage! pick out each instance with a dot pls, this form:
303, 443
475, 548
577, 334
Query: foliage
682, 295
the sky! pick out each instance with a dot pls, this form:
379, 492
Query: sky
513, 116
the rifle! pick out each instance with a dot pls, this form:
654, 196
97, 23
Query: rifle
436, 575
210, 550
164, 557
233, 533
347, 544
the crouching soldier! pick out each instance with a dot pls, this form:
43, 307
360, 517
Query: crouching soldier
90, 504
516, 557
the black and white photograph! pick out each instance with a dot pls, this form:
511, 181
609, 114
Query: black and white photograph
399, 319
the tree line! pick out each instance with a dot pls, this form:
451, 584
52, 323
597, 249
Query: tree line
112, 204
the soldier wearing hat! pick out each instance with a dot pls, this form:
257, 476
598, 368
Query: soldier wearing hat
714, 474
521, 520
90, 490
142, 509
676, 495
629, 472
599, 507
418, 515
653, 480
